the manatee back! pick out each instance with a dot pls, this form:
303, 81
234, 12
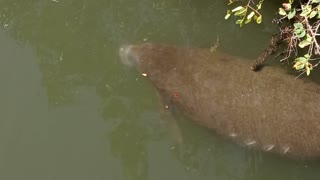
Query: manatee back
268, 110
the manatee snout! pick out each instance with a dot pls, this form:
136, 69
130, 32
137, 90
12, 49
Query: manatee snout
127, 57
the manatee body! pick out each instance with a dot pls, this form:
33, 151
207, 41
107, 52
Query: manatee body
267, 110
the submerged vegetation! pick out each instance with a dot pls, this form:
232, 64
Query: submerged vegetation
299, 23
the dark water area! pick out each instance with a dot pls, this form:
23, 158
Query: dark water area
70, 110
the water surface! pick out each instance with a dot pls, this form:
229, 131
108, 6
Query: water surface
70, 110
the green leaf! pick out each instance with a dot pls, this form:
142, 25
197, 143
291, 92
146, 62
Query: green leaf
302, 34
315, 1
313, 14
241, 12
309, 38
250, 15
291, 14
302, 60
298, 25
259, 5
282, 12
305, 10
298, 66
307, 56
230, 2
259, 20
290, 1
228, 14
299, 30
241, 24
247, 21
239, 21
308, 70
237, 9
310, 66
304, 43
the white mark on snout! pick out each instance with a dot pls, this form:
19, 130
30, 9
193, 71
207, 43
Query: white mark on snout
125, 56
233, 135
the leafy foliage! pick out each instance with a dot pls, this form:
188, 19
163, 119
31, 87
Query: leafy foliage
300, 22
246, 13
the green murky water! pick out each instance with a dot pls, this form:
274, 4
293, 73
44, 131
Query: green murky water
70, 110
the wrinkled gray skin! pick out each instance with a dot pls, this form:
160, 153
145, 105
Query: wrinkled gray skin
268, 110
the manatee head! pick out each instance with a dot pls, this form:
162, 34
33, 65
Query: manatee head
150, 59
126, 57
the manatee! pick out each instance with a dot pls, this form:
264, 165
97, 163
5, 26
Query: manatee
268, 110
